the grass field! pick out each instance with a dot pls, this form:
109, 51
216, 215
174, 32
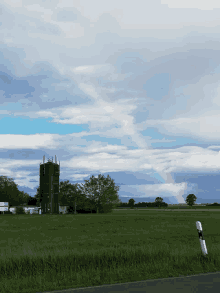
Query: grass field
54, 252
178, 207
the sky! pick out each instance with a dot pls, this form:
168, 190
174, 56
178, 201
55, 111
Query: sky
128, 89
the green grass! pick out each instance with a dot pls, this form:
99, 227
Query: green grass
195, 207
174, 208
54, 252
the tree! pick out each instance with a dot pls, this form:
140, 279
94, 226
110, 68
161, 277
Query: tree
37, 196
101, 192
8, 191
159, 201
131, 203
64, 192
32, 201
110, 198
71, 194
190, 200
5, 187
23, 198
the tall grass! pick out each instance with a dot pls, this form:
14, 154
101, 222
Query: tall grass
69, 251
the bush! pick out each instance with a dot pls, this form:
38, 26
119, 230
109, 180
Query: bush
86, 210
105, 209
214, 204
6, 213
20, 211
70, 210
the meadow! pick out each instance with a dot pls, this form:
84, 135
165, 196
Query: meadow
54, 252
175, 207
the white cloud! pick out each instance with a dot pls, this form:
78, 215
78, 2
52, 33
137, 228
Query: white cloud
199, 4
138, 75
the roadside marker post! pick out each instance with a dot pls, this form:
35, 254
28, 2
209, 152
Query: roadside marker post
201, 238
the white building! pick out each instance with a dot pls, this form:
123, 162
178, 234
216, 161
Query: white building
32, 209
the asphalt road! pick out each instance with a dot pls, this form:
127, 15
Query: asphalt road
209, 282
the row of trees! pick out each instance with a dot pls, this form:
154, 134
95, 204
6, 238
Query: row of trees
158, 203
190, 200
99, 193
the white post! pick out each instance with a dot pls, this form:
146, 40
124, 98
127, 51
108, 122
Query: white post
201, 238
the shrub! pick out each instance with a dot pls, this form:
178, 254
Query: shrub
70, 210
6, 213
20, 211
106, 209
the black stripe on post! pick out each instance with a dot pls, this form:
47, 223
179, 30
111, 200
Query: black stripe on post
200, 234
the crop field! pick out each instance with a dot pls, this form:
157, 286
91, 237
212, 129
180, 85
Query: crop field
174, 208
54, 252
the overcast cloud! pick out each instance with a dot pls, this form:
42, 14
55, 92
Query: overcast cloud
125, 88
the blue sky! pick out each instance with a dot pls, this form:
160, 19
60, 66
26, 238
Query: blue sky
125, 88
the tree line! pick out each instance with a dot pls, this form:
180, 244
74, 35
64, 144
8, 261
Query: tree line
157, 203
190, 200
99, 193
